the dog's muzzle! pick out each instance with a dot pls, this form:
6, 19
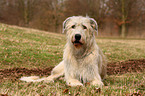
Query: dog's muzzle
77, 41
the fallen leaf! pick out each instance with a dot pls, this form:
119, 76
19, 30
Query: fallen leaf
98, 90
65, 91
87, 83
78, 93
3, 94
136, 94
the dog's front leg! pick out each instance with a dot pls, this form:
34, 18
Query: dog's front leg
72, 81
93, 75
97, 81
71, 78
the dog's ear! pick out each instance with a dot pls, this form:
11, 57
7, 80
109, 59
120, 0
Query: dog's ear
65, 23
94, 24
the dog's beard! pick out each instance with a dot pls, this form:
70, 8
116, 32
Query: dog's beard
77, 44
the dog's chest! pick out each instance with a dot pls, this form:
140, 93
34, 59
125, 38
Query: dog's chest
84, 70
84, 62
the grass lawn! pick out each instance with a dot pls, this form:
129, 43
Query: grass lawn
29, 48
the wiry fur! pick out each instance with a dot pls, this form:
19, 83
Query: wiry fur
82, 63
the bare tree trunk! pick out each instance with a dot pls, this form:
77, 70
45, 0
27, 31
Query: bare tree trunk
123, 26
26, 15
123, 30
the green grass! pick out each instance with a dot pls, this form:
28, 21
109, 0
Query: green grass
29, 48
115, 85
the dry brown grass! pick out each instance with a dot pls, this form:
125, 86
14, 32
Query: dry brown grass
29, 48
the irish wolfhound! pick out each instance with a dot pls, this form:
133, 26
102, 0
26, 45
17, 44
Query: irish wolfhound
83, 61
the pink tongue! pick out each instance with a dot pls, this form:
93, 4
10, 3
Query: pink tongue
77, 44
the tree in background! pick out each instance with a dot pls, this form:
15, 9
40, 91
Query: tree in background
19, 12
49, 15
93, 8
128, 15
8, 12
26, 9
124, 13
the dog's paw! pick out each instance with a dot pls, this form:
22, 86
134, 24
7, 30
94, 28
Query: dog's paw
97, 83
74, 83
30, 78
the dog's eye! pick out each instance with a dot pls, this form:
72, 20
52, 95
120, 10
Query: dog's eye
73, 26
84, 27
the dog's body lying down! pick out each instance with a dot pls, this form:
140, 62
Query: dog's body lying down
83, 61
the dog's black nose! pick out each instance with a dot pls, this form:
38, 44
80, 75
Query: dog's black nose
77, 36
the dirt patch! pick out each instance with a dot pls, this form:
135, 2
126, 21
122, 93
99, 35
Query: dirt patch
113, 68
126, 66
15, 73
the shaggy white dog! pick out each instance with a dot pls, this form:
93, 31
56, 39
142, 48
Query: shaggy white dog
83, 61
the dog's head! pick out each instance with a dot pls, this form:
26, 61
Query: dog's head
80, 30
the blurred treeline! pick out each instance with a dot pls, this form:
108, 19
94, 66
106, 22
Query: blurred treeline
115, 17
